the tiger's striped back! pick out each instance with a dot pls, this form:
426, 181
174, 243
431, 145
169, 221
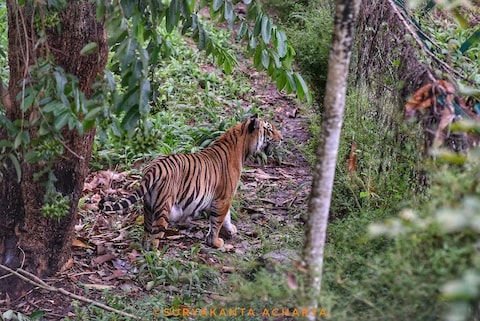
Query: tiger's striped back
179, 187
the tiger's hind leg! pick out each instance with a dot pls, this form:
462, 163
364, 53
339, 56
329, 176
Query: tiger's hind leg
228, 230
155, 226
218, 215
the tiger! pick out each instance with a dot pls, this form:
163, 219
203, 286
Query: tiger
179, 187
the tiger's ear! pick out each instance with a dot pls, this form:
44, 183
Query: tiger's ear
253, 124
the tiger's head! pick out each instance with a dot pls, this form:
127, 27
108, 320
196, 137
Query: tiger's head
263, 135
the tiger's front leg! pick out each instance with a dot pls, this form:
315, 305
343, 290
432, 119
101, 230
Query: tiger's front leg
218, 215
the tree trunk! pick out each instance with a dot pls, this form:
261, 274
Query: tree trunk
27, 238
334, 105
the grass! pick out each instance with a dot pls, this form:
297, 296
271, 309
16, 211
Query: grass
194, 108
389, 277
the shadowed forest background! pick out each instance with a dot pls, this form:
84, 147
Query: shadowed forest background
402, 237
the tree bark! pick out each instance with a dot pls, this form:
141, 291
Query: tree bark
27, 238
327, 150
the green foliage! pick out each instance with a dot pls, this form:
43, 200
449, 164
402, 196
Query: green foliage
452, 217
142, 39
382, 150
309, 27
17, 316
189, 113
422, 271
56, 206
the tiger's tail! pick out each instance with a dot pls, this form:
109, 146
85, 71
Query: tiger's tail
119, 205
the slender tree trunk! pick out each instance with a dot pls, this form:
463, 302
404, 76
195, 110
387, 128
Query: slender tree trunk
334, 105
28, 239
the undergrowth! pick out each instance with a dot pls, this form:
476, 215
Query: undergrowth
195, 104
398, 276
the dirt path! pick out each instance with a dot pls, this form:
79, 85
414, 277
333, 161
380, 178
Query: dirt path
106, 250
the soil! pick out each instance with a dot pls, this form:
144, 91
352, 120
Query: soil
108, 245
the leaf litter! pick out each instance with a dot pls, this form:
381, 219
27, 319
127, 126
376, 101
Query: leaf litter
107, 247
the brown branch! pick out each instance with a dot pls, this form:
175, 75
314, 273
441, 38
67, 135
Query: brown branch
35, 281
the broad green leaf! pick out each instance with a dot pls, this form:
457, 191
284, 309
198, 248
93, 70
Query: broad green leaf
89, 48
471, 41
242, 30
257, 58
252, 43
460, 19
31, 156
27, 102
258, 25
55, 106
128, 7
265, 58
61, 81
281, 43
302, 88
276, 59
61, 120
110, 80
290, 85
100, 10
281, 79
217, 4
144, 98
173, 14
266, 29
130, 121
228, 13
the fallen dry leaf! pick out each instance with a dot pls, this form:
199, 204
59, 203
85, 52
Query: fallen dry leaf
78, 243
292, 281
103, 258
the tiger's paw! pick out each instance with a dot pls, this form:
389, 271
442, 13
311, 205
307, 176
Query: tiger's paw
218, 242
228, 231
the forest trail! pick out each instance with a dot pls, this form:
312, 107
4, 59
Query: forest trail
107, 254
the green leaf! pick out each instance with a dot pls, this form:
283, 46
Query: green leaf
281, 80
281, 43
89, 48
61, 121
144, 98
290, 85
227, 67
173, 14
217, 4
472, 40
242, 30
258, 25
55, 106
110, 80
16, 165
257, 58
130, 121
460, 19
228, 13
37, 315
302, 88
265, 58
266, 29
128, 7
27, 102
